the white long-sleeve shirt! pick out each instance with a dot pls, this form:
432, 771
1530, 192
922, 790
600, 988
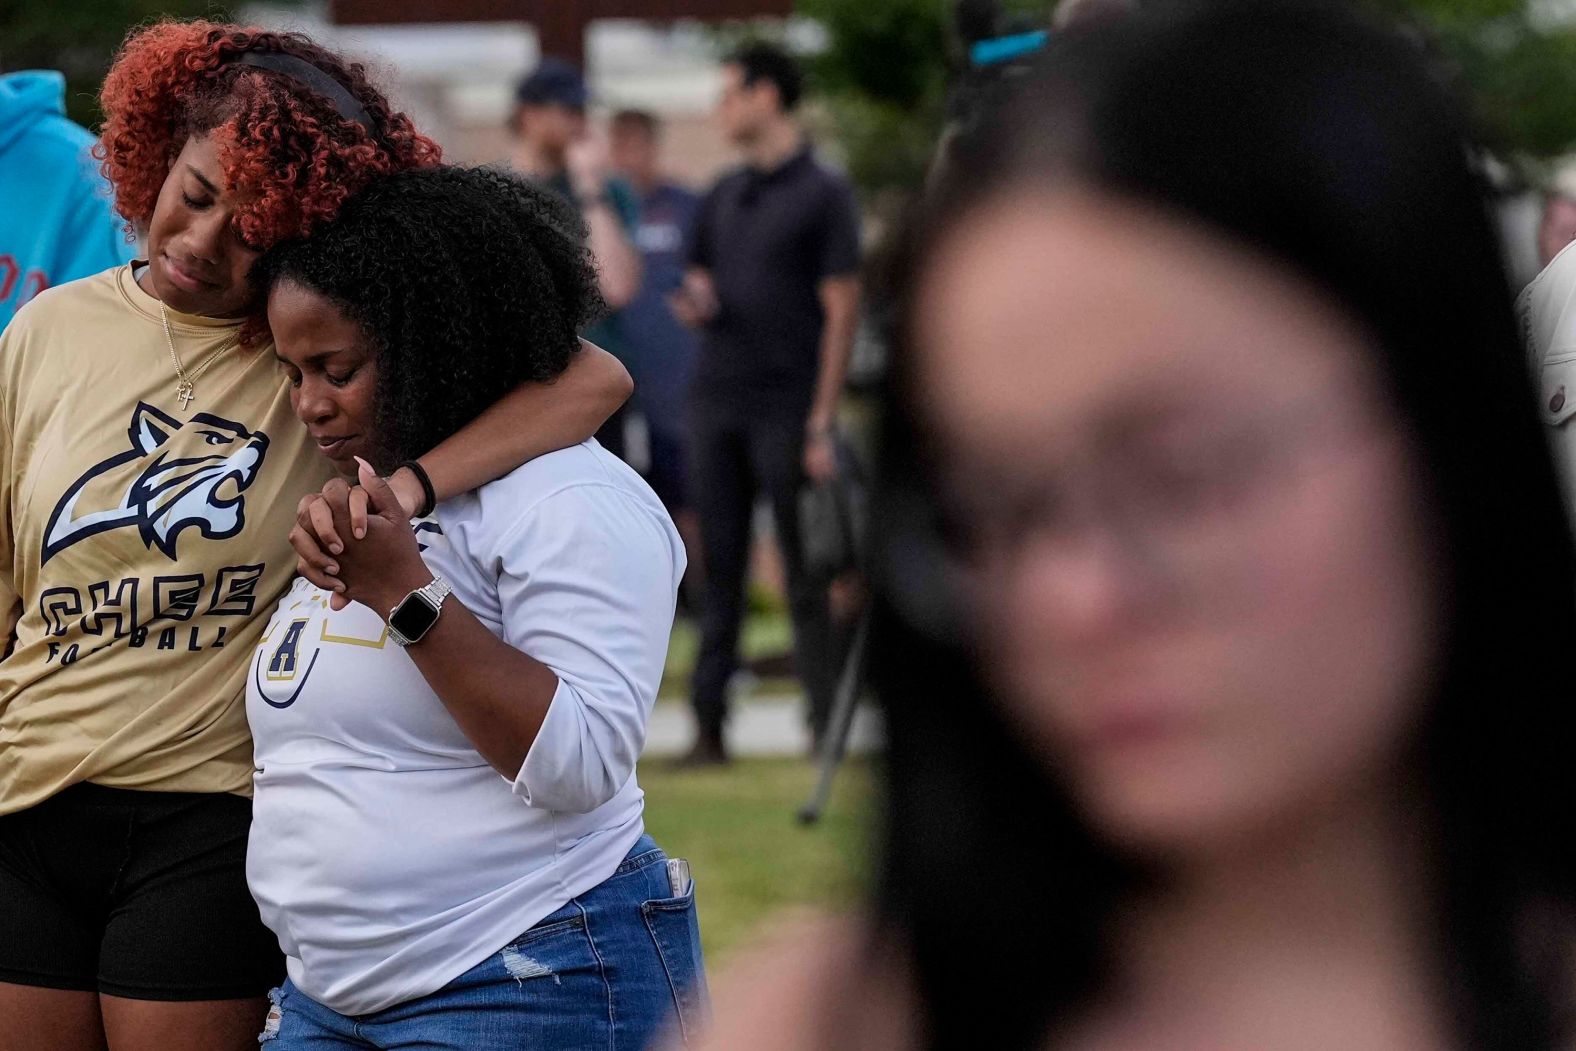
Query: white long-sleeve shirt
386, 853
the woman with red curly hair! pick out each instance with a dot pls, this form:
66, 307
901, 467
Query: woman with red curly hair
151, 470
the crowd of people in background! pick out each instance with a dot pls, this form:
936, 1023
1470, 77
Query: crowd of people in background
735, 312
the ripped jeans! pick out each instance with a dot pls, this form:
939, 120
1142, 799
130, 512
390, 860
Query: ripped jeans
616, 969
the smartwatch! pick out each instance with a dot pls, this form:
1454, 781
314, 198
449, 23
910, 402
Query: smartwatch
418, 612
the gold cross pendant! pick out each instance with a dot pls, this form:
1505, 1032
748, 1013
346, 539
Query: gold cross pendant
185, 392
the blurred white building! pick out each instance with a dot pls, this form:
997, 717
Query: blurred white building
457, 80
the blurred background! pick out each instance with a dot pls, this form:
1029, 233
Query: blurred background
880, 74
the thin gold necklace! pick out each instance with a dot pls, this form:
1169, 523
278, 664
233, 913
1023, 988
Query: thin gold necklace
186, 390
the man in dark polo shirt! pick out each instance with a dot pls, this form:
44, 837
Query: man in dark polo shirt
773, 283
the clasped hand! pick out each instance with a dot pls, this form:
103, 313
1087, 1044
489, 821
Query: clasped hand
356, 542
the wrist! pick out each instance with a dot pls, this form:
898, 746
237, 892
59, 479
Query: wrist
414, 489
396, 585
407, 490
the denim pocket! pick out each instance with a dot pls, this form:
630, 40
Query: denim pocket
675, 929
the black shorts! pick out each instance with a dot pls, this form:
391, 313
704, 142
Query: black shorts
134, 894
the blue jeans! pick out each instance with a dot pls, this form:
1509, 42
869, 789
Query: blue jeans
616, 969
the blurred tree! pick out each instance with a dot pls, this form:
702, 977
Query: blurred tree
79, 37
1518, 60
883, 79
883, 76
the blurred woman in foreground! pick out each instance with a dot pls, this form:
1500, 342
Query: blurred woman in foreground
1223, 582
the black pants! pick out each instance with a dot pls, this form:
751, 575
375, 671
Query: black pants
736, 458
134, 894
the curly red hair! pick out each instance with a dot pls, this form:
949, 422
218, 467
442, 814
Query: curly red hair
290, 158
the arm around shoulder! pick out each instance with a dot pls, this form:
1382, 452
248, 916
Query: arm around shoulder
533, 419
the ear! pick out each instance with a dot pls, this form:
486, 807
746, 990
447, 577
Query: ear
151, 428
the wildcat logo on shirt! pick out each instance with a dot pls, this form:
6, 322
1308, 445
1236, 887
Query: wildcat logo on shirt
179, 489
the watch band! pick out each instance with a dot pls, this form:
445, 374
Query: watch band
437, 591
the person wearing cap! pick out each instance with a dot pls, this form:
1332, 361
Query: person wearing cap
555, 147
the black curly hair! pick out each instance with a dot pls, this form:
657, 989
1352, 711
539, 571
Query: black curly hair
468, 282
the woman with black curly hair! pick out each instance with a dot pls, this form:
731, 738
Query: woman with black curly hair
149, 474
449, 837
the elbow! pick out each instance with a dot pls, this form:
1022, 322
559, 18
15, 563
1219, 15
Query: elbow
577, 764
620, 383
578, 793
621, 283
619, 291
589, 797
614, 384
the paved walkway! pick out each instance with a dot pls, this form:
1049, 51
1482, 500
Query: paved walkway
760, 727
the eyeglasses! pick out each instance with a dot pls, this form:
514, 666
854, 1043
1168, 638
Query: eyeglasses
1177, 499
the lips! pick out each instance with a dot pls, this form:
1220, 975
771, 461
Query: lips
333, 448
185, 278
1136, 727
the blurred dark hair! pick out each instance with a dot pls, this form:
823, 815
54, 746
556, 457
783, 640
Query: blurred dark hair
468, 281
767, 62
1328, 143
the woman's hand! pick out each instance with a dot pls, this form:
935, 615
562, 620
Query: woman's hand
357, 543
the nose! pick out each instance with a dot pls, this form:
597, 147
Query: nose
1080, 589
313, 401
209, 236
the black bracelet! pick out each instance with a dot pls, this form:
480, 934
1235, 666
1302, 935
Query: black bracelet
429, 496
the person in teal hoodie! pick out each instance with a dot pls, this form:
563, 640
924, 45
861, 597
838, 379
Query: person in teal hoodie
58, 223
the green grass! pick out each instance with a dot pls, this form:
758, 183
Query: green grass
750, 857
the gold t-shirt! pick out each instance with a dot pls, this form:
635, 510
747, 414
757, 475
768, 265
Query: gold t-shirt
142, 544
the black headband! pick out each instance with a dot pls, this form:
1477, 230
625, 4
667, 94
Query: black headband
308, 75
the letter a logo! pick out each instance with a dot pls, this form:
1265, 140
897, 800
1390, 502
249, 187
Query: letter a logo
282, 668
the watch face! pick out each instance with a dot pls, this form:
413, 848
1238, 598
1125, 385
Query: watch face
413, 618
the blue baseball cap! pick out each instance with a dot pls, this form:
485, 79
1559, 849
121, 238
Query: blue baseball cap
553, 82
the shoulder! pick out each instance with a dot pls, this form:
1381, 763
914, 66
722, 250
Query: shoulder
619, 188
728, 182
830, 189
53, 139
61, 307
625, 200
582, 489
822, 984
